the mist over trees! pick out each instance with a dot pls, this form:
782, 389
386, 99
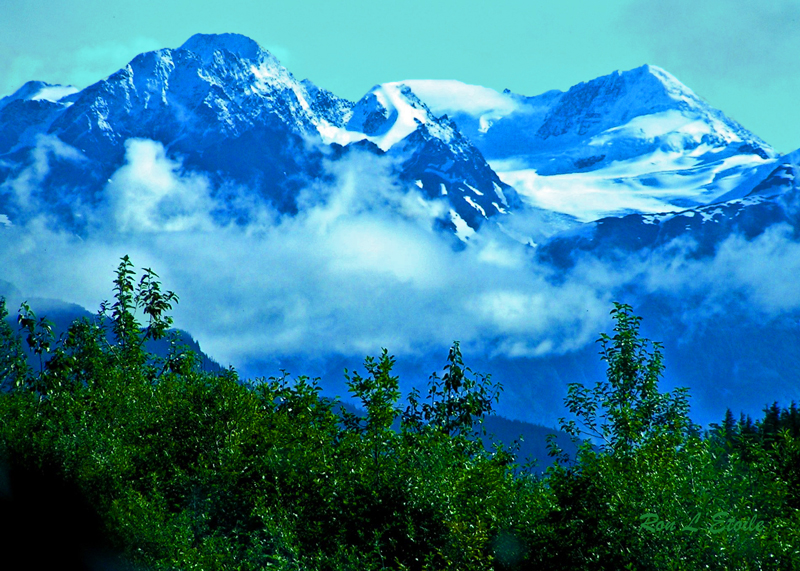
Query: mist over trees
117, 457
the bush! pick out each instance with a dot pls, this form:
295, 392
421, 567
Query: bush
196, 470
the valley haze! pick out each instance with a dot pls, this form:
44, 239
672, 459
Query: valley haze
303, 230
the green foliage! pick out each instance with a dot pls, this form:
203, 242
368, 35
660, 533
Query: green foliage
14, 369
455, 402
627, 410
194, 470
648, 463
377, 393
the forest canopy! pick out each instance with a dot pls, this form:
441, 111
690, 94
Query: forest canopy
118, 456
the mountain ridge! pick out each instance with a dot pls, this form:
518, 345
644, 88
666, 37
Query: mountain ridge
232, 110
217, 98
484, 202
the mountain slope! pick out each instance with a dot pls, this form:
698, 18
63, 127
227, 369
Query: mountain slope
223, 107
221, 103
635, 141
775, 199
302, 221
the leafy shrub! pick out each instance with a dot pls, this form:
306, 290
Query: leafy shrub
188, 469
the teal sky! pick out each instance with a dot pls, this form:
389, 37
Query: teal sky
740, 55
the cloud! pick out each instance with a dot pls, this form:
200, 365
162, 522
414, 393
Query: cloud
151, 194
451, 96
759, 273
24, 188
746, 41
81, 67
362, 266
91, 63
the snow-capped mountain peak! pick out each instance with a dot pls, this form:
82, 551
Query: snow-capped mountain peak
673, 87
389, 113
612, 101
222, 105
630, 141
39, 91
433, 152
210, 46
212, 87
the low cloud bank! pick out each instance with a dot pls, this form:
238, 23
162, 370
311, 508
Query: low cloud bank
362, 267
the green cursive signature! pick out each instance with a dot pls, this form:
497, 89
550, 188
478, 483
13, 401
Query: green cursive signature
720, 522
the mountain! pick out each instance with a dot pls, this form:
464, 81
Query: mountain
601, 190
222, 106
40, 91
633, 141
434, 153
220, 103
771, 200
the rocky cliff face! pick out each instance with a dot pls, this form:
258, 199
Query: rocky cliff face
222, 106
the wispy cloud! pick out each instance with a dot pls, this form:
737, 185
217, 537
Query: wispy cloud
80, 67
757, 273
450, 96
151, 194
362, 267
749, 42
23, 188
